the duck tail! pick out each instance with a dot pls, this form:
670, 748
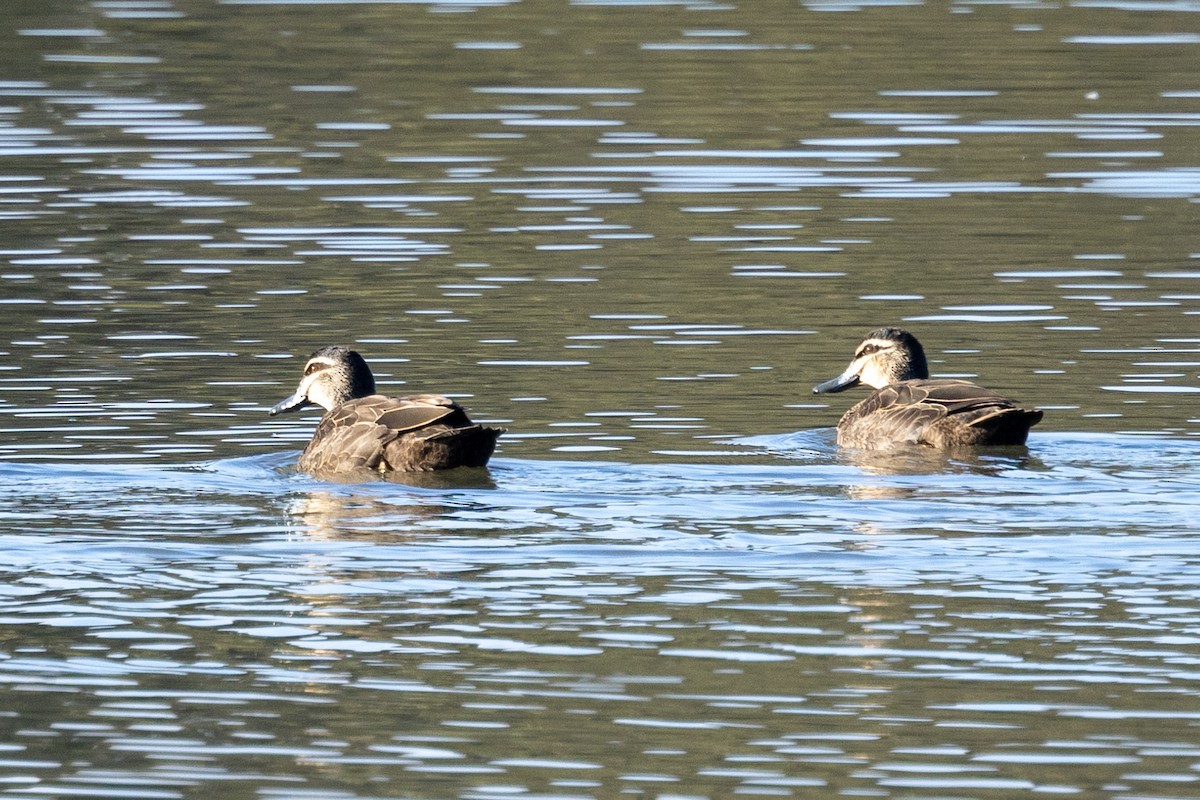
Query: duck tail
1007, 426
470, 446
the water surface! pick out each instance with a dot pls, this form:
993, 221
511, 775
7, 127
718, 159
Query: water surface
636, 235
582, 629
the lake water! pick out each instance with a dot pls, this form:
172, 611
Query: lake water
635, 234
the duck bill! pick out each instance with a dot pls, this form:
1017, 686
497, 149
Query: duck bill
298, 400
841, 383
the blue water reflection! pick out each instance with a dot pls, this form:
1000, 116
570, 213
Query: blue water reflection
673, 608
635, 234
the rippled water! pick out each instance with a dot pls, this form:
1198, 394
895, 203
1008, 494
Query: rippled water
945, 627
635, 234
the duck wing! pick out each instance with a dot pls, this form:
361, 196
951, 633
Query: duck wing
356, 433
406, 414
953, 395
940, 412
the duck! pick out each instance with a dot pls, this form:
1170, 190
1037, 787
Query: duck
909, 407
364, 430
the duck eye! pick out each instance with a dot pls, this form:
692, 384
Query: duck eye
311, 368
868, 350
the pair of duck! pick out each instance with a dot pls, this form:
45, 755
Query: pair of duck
425, 432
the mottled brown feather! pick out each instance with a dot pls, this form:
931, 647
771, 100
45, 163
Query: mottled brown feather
936, 412
415, 433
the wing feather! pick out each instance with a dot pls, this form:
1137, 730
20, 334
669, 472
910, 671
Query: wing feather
939, 412
416, 432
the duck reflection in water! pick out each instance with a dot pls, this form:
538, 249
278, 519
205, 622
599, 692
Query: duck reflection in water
379, 515
909, 407
904, 473
364, 431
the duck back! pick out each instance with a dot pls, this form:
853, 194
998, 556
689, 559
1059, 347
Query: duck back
412, 434
940, 413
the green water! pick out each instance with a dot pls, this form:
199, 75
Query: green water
635, 235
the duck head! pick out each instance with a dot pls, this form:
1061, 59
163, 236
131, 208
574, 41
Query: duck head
332, 376
884, 356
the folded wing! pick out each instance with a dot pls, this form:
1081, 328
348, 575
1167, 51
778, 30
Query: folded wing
937, 412
418, 432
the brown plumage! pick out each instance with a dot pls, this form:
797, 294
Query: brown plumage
364, 430
909, 407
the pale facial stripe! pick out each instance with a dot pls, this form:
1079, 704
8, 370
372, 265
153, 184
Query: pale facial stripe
321, 360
